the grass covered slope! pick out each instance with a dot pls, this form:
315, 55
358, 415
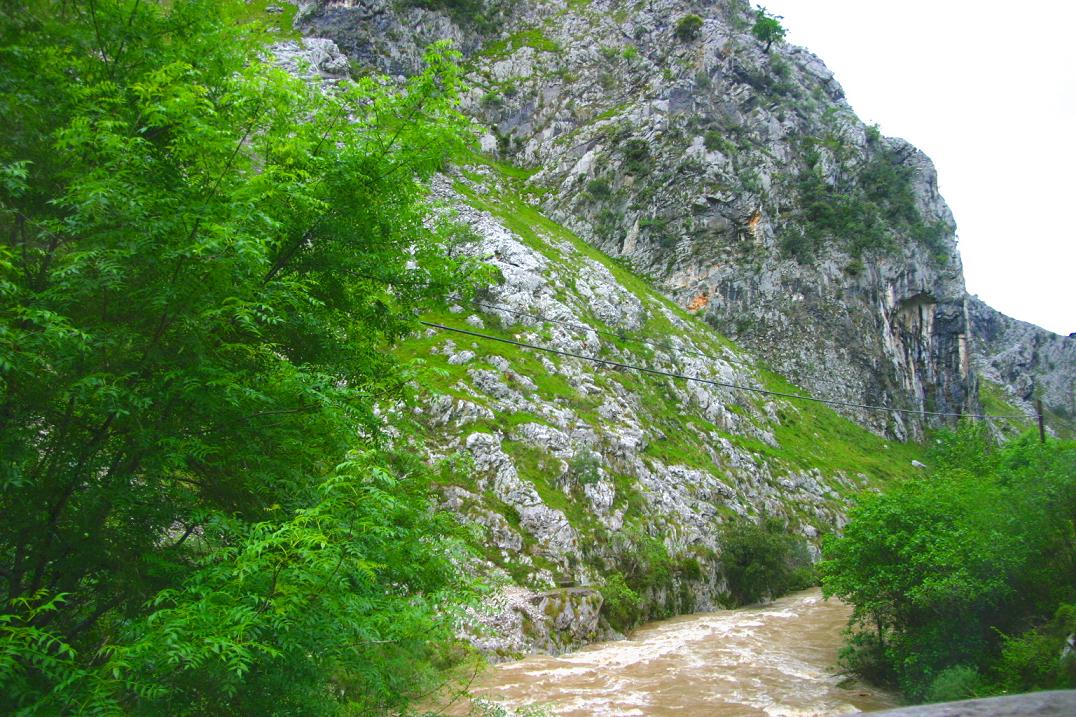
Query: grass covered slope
600, 475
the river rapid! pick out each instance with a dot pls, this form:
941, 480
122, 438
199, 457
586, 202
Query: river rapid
776, 660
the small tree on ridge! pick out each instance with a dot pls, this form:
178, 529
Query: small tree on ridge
768, 28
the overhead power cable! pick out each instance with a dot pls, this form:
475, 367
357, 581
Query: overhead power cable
623, 336
711, 382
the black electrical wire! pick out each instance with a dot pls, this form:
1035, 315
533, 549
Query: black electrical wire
623, 336
683, 377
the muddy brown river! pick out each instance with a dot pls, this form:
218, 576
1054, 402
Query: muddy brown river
778, 660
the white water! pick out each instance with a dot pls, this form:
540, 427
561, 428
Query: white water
773, 661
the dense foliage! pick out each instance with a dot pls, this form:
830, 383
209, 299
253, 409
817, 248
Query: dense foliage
963, 581
688, 28
202, 261
646, 566
763, 560
863, 210
646, 581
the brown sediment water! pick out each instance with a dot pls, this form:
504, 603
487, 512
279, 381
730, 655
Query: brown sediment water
776, 660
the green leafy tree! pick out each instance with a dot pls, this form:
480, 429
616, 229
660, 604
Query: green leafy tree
767, 27
939, 568
1038, 658
202, 263
621, 606
761, 560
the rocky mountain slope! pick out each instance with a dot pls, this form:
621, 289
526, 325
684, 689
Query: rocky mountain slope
735, 176
740, 183
584, 472
1018, 363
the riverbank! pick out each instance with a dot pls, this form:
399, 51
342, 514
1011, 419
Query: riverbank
775, 660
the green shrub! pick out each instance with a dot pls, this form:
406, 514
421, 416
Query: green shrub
960, 682
780, 68
688, 28
637, 159
868, 211
799, 245
761, 560
645, 560
932, 236
1034, 660
620, 604
750, 181
690, 569
608, 223
855, 267
585, 467
599, 188
940, 568
863, 654
657, 229
715, 141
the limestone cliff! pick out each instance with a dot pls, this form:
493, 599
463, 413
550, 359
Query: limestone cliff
1024, 363
583, 472
742, 185
713, 166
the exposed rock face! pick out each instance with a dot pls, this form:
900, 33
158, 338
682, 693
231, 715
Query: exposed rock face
1028, 361
388, 36
579, 471
743, 184
689, 159
312, 57
516, 621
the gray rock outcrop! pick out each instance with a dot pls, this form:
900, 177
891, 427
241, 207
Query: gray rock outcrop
577, 470
695, 160
515, 621
1027, 362
312, 57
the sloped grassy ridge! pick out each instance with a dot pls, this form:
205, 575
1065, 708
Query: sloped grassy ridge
588, 475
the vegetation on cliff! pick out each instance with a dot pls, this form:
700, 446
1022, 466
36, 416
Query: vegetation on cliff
207, 272
963, 581
703, 458
203, 261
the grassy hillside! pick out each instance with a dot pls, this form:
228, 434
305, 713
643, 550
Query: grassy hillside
703, 454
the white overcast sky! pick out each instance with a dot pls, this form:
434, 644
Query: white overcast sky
988, 90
